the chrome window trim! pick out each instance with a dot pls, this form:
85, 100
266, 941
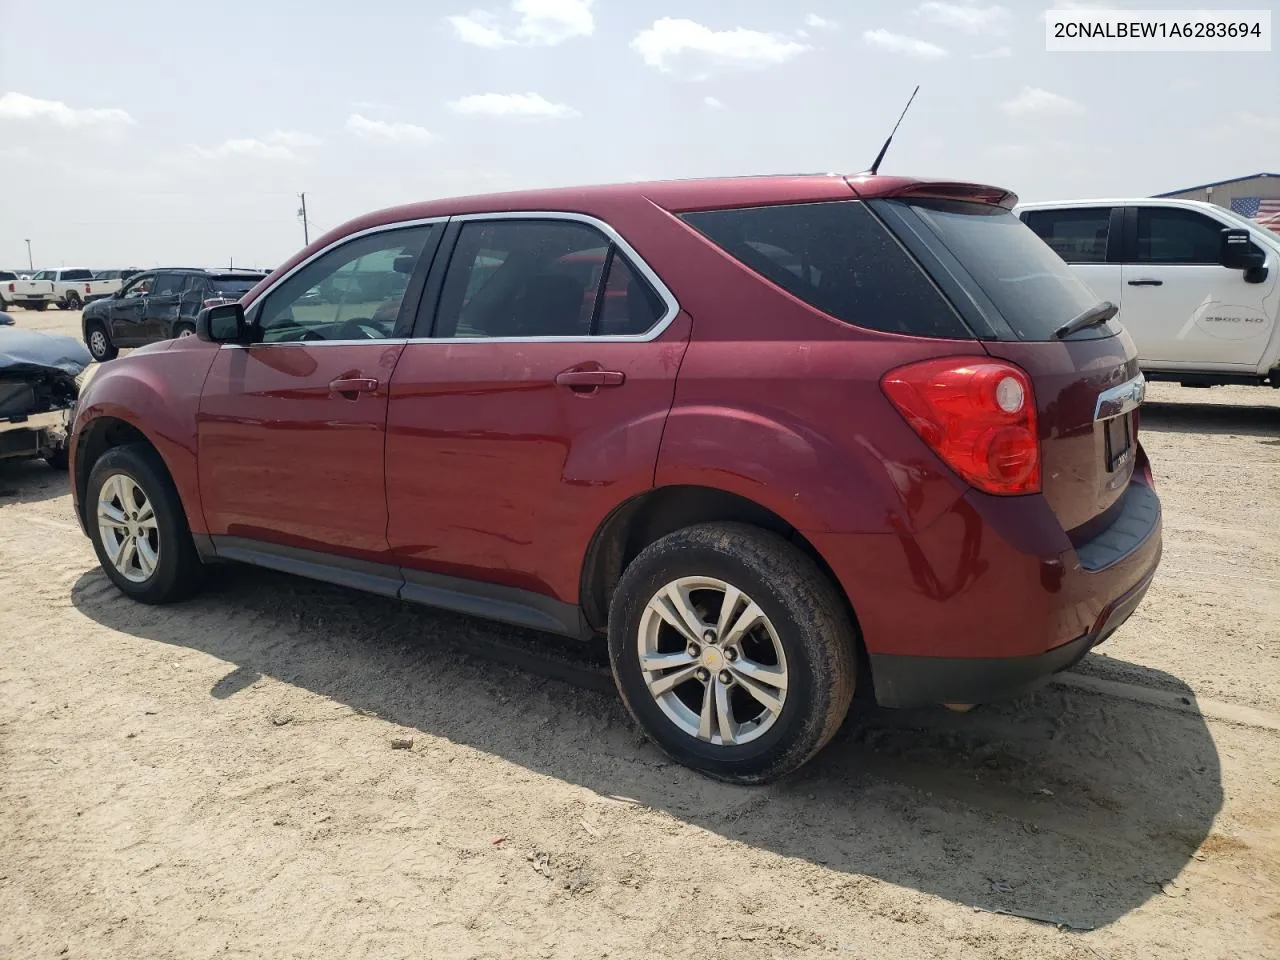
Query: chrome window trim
611, 235
1121, 399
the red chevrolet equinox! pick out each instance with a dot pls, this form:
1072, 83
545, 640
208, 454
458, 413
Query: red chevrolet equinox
778, 438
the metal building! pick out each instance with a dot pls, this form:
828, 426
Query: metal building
1256, 196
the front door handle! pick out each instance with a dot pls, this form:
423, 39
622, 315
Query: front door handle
352, 387
1146, 283
590, 380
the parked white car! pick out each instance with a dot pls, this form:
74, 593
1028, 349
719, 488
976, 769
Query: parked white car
72, 289
1198, 286
19, 290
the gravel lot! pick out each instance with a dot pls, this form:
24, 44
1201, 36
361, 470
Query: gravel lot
284, 769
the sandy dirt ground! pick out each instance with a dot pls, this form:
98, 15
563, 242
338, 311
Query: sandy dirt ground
284, 769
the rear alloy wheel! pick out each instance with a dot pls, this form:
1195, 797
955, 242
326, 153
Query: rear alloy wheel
100, 348
138, 527
732, 650
71, 301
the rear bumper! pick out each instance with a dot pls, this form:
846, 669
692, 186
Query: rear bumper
908, 681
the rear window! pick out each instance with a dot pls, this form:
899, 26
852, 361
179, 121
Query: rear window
6, 275
1030, 286
77, 274
232, 287
838, 258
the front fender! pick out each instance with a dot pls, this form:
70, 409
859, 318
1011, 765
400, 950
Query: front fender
157, 393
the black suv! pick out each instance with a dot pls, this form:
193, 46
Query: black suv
159, 305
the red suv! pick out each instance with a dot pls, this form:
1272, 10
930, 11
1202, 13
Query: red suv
777, 437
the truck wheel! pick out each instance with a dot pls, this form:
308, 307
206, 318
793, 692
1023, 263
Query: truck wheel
71, 301
59, 459
732, 651
99, 344
138, 527
42, 305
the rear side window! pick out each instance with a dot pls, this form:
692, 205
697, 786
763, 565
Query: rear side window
1077, 236
542, 278
1177, 236
838, 258
1030, 287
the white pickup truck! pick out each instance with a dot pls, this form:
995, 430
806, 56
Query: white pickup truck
72, 289
21, 291
1198, 286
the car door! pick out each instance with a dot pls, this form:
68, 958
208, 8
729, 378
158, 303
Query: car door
161, 307
1089, 239
536, 406
1182, 307
125, 313
291, 428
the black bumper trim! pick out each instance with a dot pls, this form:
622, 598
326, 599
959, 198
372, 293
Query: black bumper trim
912, 681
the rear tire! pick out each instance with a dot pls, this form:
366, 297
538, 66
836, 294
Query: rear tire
781, 687
42, 305
184, 330
100, 346
71, 301
139, 530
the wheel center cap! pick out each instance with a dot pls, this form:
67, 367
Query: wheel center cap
712, 658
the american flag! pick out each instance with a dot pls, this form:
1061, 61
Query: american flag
1264, 212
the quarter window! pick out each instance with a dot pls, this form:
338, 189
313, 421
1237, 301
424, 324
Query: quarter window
353, 292
1168, 235
542, 278
1077, 236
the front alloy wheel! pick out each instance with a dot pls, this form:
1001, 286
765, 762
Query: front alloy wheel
128, 528
712, 661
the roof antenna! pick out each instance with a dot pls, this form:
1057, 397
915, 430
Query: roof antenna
875, 167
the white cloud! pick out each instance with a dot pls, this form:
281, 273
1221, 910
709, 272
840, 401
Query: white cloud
277, 145
999, 53
677, 45
1033, 100
819, 23
530, 23
713, 103
17, 106
965, 16
897, 43
520, 105
368, 129
247, 148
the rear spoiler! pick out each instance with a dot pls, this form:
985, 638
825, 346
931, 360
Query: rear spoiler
870, 187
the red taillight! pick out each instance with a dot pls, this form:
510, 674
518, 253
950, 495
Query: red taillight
977, 414
12, 288
86, 288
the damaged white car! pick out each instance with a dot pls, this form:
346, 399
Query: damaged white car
40, 377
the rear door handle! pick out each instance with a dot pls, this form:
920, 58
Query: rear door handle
590, 379
1146, 283
352, 387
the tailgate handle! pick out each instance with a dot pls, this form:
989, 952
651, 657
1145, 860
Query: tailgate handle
1148, 282
1121, 399
352, 387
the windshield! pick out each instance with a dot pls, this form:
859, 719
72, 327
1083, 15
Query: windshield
1031, 287
232, 287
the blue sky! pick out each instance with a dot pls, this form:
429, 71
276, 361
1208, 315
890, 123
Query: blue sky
140, 133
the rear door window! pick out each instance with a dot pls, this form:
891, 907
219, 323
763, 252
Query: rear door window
838, 258
1077, 236
1028, 286
528, 278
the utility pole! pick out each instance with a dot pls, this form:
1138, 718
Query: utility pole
30, 263
302, 212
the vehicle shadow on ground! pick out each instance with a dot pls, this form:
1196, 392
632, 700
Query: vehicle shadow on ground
30, 481
1240, 420
1065, 806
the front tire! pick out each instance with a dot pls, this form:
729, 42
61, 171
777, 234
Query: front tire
100, 346
181, 330
138, 527
732, 650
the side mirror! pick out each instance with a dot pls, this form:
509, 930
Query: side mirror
223, 323
1239, 252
